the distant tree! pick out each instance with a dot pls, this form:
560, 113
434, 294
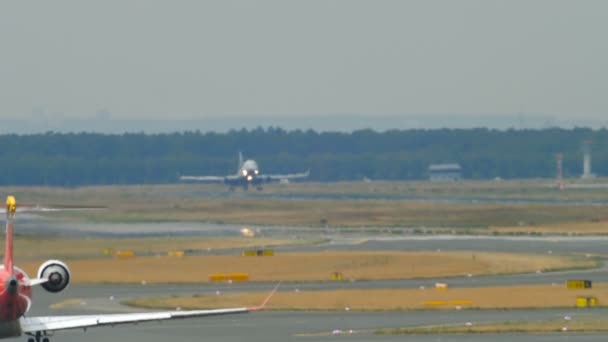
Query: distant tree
133, 158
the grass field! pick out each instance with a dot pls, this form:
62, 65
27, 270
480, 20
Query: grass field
193, 203
336, 213
577, 228
537, 189
312, 266
342, 213
503, 297
28, 248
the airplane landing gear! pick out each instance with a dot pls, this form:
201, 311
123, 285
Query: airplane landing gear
38, 337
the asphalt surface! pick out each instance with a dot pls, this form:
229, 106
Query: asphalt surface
290, 326
29, 224
317, 326
362, 242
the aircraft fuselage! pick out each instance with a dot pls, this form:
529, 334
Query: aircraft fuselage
249, 174
15, 300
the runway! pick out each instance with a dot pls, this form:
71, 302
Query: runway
364, 242
286, 326
301, 326
358, 239
318, 326
292, 326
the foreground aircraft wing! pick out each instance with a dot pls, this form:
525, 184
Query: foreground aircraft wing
33, 325
290, 176
53, 323
204, 179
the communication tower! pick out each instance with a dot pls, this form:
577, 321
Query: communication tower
587, 160
559, 160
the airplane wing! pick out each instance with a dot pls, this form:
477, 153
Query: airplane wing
32, 325
38, 208
204, 179
291, 176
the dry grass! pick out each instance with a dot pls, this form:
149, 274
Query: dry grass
188, 202
507, 297
340, 213
313, 266
527, 189
577, 325
34, 248
577, 228
191, 203
537, 189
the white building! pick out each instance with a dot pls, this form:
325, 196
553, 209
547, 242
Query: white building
445, 172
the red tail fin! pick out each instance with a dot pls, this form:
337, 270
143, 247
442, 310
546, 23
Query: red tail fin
11, 208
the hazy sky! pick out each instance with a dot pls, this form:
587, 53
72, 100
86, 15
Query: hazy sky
196, 59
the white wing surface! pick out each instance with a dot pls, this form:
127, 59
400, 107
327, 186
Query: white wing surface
53, 323
204, 179
291, 176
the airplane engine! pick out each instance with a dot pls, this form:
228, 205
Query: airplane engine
57, 273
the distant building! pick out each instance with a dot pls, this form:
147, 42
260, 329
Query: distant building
445, 172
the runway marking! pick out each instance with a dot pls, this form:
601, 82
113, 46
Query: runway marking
334, 332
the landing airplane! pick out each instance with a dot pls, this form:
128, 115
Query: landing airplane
248, 173
54, 276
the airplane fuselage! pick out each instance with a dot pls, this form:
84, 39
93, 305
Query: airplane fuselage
249, 170
248, 174
15, 300
15, 290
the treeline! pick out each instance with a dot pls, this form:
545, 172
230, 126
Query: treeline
137, 158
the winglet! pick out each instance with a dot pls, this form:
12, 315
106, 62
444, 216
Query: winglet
263, 305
